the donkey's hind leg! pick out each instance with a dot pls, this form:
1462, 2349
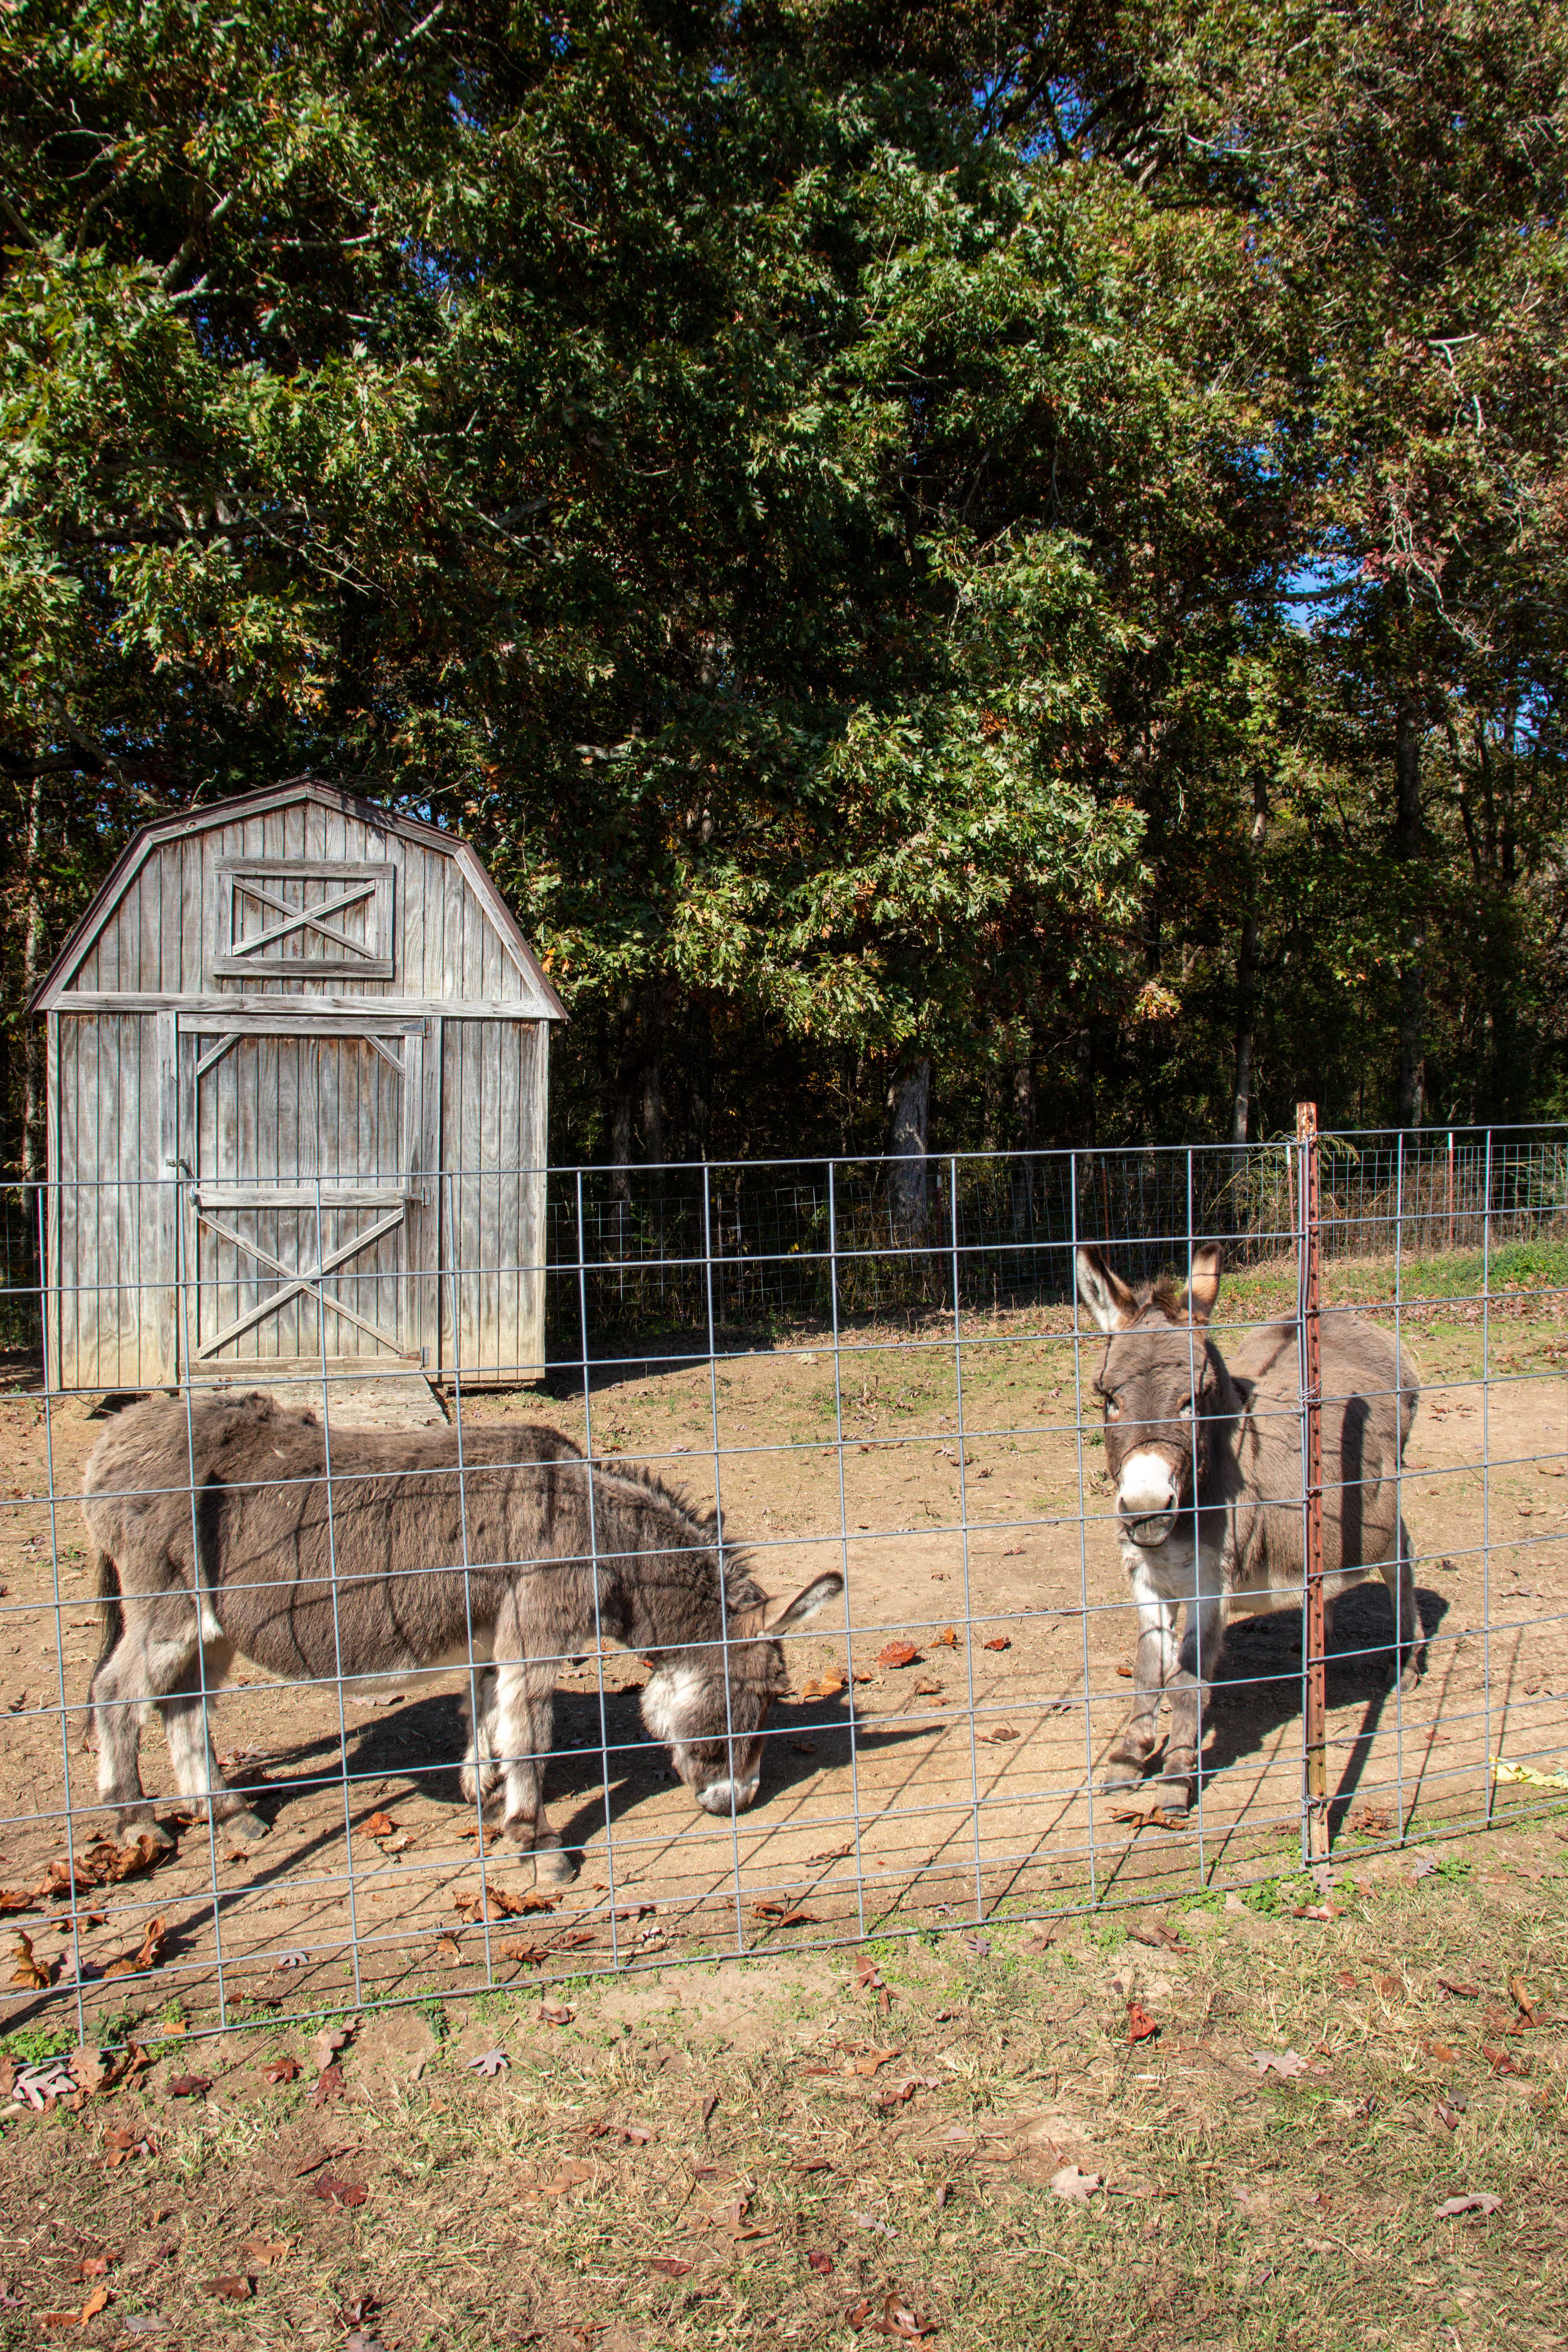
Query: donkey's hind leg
523, 1736
187, 1726
480, 1777
1409, 1633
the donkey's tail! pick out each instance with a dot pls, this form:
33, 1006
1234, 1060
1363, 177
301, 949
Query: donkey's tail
111, 1620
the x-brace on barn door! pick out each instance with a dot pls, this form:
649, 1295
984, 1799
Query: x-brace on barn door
304, 1137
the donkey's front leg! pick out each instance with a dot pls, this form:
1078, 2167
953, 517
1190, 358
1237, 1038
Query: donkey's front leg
1188, 1689
1409, 1632
156, 1649
1153, 1665
524, 1732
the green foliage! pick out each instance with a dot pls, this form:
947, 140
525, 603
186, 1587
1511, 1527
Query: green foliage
821, 496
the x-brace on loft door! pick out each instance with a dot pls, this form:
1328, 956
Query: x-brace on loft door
304, 1138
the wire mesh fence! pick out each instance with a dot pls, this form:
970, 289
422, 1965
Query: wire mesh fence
823, 1586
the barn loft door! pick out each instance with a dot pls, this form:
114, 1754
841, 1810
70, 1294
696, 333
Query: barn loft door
302, 1138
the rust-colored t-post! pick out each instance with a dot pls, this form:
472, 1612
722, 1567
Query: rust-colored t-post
1314, 1673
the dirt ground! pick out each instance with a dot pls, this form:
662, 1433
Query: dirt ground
973, 1519
1303, 2114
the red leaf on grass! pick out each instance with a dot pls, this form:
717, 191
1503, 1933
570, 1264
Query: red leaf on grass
669, 2266
189, 2086
822, 2265
329, 2085
999, 1642
282, 2070
1140, 2026
333, 2189
234, 2286
898, 1653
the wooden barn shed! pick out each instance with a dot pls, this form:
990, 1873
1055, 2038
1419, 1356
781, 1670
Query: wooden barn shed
298, 1068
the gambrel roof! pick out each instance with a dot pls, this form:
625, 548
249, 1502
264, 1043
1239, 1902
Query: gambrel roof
523, 982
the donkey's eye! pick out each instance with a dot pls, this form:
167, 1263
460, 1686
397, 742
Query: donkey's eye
1188, 1409
1112, 1410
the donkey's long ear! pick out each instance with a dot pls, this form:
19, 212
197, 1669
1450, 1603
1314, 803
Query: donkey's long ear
1104, 1294
777, 1616
1202, 1289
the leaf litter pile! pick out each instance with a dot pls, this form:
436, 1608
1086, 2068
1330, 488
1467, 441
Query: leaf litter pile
1242, 2124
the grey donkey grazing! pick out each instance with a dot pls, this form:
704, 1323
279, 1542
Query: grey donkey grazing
1197, 1446
379, 1587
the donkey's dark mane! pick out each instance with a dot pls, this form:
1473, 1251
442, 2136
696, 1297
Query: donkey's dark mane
740, 1586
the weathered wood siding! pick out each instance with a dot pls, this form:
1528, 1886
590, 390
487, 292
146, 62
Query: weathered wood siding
158, 938
109, 1327
494, 1091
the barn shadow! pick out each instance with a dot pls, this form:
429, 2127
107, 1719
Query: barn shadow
1259, 1689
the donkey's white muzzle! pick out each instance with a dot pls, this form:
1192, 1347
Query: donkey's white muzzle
1147, 1499
729, 1796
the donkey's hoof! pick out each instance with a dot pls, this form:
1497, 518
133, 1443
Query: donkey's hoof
1119, 1777
551, 1867
1407, 1682
131, 1826
246, 1828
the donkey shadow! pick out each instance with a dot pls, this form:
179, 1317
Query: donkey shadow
601, 1767
1257, 1690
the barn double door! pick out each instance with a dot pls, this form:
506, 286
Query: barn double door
305, 1233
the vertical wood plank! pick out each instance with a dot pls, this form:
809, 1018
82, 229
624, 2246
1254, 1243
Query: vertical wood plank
163, 1322
51, 1272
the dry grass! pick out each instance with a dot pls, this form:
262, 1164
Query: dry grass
1237, 2208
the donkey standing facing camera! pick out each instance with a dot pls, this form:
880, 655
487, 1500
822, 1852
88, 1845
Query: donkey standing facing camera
1202, 1448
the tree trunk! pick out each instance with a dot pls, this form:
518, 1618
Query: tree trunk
1413, 975
1022, 1187
908, 1101
1245, 967
33, 1120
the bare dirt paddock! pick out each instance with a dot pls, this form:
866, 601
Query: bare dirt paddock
963, 1499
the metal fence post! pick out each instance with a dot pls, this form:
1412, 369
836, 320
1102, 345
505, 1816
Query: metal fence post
1314, 1708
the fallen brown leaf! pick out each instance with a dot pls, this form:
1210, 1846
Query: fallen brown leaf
190, 2086
325, 2045
822, 2265
234, 2286
93, 2266
1140, 2026
282, 2070
572, 2175
266, 2252
669, 2266
1523, 2000
1460, 1991
898, 1653
27, 1971
330, 2085
380, 1825
447, 1948
998, 1642
827, 1684
1502, 2062
555, 2012
999, 1737
333, 2190
147, 1955
1077, 2187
